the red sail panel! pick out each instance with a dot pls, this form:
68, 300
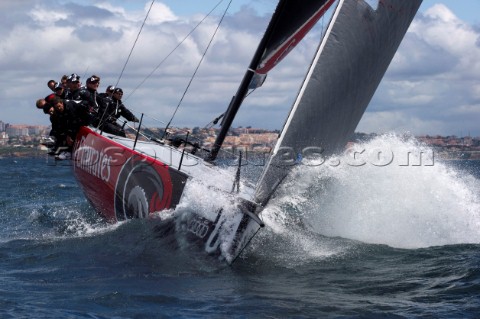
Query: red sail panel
294, 20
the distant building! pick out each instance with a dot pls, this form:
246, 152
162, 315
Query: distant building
34, 130
3, 138
2, 126
17, 130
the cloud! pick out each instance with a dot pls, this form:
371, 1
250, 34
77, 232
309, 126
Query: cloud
160, 13
433, 78
430, 88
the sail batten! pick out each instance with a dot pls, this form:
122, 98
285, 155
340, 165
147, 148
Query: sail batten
346, 71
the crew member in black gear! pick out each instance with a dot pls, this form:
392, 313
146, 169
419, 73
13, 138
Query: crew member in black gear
108, 116
67, 118
73, 87
95, 101
60, 90
108, 92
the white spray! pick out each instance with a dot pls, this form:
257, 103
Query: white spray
388, 191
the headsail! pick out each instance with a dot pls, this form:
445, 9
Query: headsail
350, 62
290, 22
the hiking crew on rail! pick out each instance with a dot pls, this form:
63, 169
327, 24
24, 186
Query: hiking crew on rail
71, 106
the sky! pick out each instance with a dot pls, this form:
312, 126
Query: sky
431, 87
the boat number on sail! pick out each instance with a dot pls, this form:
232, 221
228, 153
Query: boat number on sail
93, 161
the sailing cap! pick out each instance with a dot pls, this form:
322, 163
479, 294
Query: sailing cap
73, 78
118, 90
58, 86
110, 88
93, 79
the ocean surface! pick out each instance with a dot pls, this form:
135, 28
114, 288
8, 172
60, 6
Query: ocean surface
379, 240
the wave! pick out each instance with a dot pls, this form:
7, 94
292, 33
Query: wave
390, 191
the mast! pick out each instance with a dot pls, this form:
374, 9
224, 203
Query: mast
243, 89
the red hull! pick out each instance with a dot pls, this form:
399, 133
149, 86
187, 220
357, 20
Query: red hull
122, 183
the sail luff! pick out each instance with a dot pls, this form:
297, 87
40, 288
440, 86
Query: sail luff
308, 76
266, 189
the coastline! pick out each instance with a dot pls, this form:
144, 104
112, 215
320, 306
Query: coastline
20, 151
256, 141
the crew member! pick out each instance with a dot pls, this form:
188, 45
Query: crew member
42, 104
108, 116
108, 92
67, 118
73, 87
51, 85
59, 90
90, 95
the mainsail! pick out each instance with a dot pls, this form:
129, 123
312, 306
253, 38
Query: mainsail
350, 62
290, 22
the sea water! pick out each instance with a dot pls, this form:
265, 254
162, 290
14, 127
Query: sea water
384, 239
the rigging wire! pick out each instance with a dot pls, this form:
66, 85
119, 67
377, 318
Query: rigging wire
174, 49
198, 66
85, 73
133, 47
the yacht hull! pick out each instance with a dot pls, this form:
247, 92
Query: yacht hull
123, 183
